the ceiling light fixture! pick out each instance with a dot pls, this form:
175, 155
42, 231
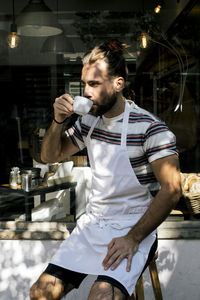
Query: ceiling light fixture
159, 5
157, 9
13, 39
58, 44
143, 40
36, 19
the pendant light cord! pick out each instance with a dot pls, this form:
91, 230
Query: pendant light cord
57, 8
13, 7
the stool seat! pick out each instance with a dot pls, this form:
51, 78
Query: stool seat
139, 289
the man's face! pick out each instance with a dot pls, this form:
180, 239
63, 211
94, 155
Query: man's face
98, 87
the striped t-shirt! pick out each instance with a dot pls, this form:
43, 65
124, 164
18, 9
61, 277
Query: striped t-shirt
148, 139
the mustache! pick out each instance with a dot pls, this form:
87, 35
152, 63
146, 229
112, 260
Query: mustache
104, 106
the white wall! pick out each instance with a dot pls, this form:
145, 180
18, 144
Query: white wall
21, 262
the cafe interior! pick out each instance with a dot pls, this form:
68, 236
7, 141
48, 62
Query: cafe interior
42, 43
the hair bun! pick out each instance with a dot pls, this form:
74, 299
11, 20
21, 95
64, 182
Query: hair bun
115, 46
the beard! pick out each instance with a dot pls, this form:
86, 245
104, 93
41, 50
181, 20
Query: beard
107, 103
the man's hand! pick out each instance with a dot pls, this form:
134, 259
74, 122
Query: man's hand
119, 249
63, 107
56, 145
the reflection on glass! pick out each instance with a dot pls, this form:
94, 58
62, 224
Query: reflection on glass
143, 40
13, 40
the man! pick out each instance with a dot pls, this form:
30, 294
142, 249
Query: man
130, 152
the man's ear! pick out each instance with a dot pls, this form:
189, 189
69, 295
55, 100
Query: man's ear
119, 84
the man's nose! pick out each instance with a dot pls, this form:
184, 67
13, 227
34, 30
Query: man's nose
87, 92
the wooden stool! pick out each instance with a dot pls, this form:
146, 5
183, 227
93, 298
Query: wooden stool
139, 289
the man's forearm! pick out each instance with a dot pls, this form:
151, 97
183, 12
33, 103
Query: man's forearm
51, 144
159, 209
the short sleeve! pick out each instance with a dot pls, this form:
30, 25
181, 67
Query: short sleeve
75, 134
159, 141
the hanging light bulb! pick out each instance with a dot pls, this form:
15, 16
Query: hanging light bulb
143, 40
13, 39
157, 9
158, 6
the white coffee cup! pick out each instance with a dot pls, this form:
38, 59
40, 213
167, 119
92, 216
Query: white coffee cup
82, 105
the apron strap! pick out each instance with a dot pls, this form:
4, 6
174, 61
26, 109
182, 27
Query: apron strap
92, 128
125, 125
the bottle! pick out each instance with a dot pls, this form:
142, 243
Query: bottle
13, 180
26, 179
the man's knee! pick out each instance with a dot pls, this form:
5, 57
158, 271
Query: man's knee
47, 287
34, 292
105, 291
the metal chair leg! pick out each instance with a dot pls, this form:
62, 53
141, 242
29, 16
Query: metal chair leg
139, 289
155, 280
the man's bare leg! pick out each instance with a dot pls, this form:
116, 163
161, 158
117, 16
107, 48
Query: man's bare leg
48, 287
105, 291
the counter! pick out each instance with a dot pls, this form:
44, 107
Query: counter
60, 230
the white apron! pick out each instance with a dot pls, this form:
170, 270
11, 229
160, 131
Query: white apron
116, 203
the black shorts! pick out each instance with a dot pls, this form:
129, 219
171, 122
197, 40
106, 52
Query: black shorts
75, 278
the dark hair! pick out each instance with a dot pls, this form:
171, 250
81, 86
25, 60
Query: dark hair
112, 53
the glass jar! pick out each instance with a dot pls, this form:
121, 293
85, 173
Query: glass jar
13, 180
26, 179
